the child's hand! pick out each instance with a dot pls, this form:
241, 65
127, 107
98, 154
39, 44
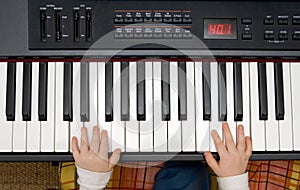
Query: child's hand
94, 157
233, 158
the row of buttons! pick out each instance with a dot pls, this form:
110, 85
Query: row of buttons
281, 21
153, 35
128, 20
281, 36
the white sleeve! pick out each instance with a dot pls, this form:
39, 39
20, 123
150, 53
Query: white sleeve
89, 180
238, 182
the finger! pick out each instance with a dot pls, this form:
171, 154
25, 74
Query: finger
103, 151
211, 161
249, 147
229, 142
115, 157
95, 139
218, 143
75, 148
84, 143
241, 139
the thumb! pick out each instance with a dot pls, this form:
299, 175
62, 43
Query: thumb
211, 161
115, 157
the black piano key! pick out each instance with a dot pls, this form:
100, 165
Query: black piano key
279, 94
238, 91
206, 84
222, 92
165, 90
84, 92
67, 92
42, 93
182, 91
141, 96
262, 91
11, 91
108, 91
27, 87
125, 91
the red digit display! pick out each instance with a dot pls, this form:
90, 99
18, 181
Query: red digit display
219, 29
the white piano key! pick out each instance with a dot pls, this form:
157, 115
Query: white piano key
117, 126
230, 99
160, 127
246, 98
132, 126
146, 127
93, 77
202, 126
34, 126
101, 103
286, 126
75, 126
48, 127
61, 126
272, 136
19, 131
215, 124
295, 89
6, 128
174, 125
188, 126
257, 126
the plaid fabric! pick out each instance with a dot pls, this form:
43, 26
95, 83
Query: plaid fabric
263, 175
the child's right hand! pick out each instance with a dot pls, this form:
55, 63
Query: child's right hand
233, 157
94, 157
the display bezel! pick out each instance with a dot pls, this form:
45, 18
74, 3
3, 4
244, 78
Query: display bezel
232, 21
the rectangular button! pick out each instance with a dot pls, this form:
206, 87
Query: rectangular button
187, 20
11, 91
128, 20
283, 21
167, 35
246, 21
269, 36
247, 36
137, 20
67, 92
167, 20
148, 19
296, 21
118, 20
296, 36
282, 36
268, 21
157, 19
27, 88
177, 20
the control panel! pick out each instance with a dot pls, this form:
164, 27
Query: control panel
78, 24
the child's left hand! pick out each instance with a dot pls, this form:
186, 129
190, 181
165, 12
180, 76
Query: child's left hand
94, 157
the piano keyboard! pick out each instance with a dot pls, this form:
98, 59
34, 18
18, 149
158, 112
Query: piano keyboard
148, 106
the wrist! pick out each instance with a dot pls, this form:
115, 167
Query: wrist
92, 180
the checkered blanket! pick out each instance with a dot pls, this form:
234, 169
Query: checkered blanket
269, 175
